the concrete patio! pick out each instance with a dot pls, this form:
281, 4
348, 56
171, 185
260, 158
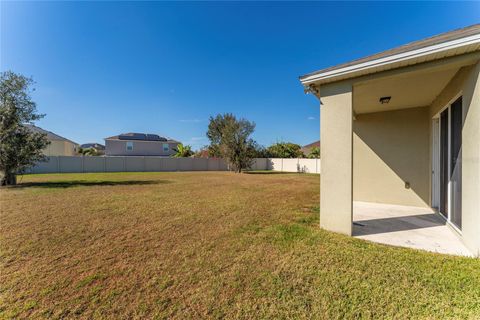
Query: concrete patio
405, 226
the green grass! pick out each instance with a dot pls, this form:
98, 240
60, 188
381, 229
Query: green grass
207, 245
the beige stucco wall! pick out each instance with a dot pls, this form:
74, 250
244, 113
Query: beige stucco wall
467, 83
336, 154
60, 148
471, 161
388, 149
391, 149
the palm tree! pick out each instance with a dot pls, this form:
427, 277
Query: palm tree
183, 151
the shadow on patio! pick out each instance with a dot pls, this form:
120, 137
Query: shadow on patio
412, 227
383, 225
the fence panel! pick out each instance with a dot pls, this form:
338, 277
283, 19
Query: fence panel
65, 164
307, 165
199, 164
114, 164
45, 167
134, 164
213, 164
290, 165
260, 164
70, 164
275, 164
93, 164
153, 164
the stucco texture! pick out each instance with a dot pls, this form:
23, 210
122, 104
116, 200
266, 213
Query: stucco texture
336, 153
391, 157
60, 148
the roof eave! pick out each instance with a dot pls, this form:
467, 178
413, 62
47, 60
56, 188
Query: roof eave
351, 70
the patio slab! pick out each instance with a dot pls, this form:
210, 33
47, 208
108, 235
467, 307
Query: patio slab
404, 226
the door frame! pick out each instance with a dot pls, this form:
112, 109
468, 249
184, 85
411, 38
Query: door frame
435, 182
435, 196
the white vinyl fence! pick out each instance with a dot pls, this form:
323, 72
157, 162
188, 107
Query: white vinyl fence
293, 165
66, 164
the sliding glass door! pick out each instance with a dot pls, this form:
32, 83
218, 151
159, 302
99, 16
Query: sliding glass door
444, 163
449, 162
456, 163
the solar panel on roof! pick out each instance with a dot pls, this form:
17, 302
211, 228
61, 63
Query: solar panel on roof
132, 136
141, 136
153, 137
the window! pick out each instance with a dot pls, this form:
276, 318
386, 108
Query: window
166, 147
129, 146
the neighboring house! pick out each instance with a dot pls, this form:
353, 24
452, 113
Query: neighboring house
403, 127
306, 149
100, 148
59, 146
139, 144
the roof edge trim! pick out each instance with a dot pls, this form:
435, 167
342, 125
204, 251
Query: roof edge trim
444, 46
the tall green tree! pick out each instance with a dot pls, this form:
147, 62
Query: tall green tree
230, 138
285, 150
314, 153
20, 148
182, 151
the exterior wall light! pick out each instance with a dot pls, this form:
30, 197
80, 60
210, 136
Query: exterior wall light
385, 100
311, 89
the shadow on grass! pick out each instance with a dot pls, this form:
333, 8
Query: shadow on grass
86, 183
279, 172
269, 172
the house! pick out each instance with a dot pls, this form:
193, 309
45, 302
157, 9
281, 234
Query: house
100, 148
139, 144
306, 149
59, 146
402, 127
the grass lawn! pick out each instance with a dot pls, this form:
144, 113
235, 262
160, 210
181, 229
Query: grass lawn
207, 245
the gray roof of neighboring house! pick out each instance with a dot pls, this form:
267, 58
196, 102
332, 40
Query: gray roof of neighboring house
50, 135
438, 39
135, 136
312, 145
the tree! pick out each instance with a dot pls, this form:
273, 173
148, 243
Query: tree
214, 151
260, 152
230, 138
314, 153
183, 151
88, 151
20, 148
285, 150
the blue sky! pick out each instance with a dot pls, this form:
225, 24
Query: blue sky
111, 67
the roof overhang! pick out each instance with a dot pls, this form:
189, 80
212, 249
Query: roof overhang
424, 54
